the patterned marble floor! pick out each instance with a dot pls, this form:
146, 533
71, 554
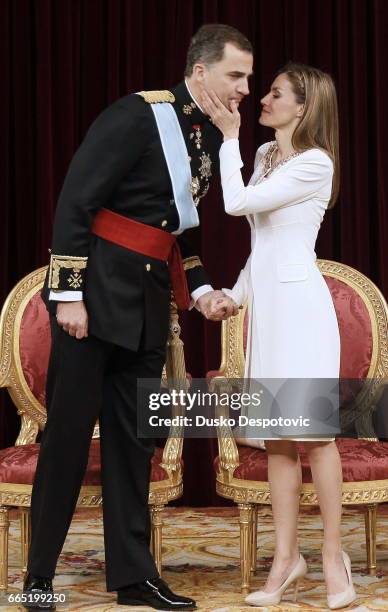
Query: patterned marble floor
201, 559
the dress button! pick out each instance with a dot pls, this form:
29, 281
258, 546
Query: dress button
164, 223
148, 267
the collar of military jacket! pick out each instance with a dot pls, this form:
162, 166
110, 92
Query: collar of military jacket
184, 104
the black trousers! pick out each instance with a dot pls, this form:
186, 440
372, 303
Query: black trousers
90, 379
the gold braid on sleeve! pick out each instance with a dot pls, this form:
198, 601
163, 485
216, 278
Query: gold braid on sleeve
66, 272
191, 262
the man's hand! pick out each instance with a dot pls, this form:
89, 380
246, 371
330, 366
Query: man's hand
73, 318
222, 308
216, 306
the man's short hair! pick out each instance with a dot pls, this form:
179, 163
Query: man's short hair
208, 43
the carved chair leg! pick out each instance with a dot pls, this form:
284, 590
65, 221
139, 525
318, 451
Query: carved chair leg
4, 531
254, 539
156, 535
245, 520
370, 533
25, 532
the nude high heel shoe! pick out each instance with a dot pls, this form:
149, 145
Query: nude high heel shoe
346, 597
261, 598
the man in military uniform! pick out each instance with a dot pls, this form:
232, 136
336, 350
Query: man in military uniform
120, 218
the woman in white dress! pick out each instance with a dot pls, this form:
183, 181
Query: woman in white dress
293, 326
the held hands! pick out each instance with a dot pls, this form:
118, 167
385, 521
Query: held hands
216, 306
227, 121
73, 318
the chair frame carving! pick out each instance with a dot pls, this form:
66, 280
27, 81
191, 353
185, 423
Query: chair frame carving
249, 494
33, 419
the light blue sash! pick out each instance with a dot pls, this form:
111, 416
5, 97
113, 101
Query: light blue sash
175, 152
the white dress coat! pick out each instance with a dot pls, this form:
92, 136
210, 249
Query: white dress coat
293, 328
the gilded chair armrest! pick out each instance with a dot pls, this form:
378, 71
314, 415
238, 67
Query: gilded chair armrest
174, 377
172, 452
227, 447
171, 461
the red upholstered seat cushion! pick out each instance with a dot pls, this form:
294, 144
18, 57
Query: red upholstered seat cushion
18, 464
361, 460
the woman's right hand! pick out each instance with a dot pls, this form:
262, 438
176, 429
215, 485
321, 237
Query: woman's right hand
227, 121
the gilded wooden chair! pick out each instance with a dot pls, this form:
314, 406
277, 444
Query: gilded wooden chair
241, 471
25, 346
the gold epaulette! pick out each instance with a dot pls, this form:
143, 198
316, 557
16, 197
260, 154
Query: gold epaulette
153, 97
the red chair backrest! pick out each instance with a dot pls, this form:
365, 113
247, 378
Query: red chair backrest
34, 346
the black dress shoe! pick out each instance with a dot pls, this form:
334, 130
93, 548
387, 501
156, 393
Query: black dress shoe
154, 593
39, 593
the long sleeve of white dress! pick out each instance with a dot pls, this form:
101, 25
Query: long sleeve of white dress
306, 176
240, 291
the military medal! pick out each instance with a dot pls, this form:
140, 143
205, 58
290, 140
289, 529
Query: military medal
198, 136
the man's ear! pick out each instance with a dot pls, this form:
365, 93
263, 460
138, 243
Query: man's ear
199, 72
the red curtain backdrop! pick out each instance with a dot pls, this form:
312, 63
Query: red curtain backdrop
63, 61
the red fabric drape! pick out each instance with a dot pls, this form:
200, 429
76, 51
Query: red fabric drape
62, 62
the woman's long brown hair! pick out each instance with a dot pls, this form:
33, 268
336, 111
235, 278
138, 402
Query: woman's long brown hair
318, 127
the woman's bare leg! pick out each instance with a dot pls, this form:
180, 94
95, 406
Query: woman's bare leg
326, 471
285, 480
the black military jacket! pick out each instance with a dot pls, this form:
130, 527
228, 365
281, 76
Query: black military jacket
120, 165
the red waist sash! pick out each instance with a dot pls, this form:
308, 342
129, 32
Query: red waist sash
148, 241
